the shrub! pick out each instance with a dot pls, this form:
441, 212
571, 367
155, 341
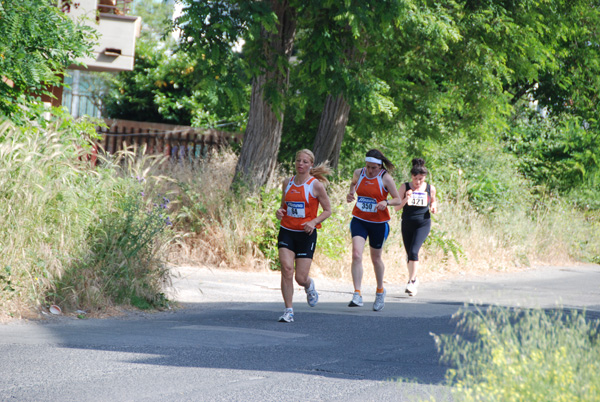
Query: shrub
504, 354
69, 227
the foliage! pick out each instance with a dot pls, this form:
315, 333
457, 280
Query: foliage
264, 236
518, 355
120, 247
571, 87
356, 49
482, 170
557, 152
442, 240
170, 85
70, 231
213, 30
332, 240
421, 69
37, 43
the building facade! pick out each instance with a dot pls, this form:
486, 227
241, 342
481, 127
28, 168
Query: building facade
114, 52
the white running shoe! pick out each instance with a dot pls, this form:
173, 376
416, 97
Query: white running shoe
379, 301
288, 316
412, 287
312, 297
356, 300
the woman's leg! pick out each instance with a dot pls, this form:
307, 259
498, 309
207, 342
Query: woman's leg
413, 268
358, 246
286, 258
407, 239
302, 270
378, 266
420, 233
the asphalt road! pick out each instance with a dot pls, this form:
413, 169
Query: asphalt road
225, 344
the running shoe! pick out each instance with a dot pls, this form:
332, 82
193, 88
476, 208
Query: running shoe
412, 287
288, 316
356, 300
312, 297
379, 301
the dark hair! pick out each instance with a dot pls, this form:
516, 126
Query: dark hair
375, 153
418, 167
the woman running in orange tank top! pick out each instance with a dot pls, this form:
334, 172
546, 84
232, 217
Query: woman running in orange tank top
300, 199
372, 185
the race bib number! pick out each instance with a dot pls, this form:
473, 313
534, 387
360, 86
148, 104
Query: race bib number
366, 204
418, 199
295, 209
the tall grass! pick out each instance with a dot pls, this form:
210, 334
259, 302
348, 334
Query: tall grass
73, 235
87, 238
502, 354
239, 230
218, 226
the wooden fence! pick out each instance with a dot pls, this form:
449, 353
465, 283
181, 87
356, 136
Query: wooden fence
177, 142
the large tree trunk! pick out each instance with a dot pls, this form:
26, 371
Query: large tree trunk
332, 127
263, 133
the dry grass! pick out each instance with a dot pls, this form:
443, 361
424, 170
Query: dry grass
226, 227
54, 201
59, 213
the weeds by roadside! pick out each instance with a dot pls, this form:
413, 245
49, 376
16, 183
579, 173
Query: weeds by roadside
74, 236
239, 230
501, 354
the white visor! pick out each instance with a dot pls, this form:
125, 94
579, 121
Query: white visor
373, 160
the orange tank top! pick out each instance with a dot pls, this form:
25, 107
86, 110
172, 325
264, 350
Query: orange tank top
302, 205
370, 191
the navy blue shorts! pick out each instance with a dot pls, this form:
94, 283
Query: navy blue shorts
301, 243
377, 232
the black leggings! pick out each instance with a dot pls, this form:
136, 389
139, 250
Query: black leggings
414, 233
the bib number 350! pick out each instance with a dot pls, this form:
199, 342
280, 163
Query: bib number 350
366, 204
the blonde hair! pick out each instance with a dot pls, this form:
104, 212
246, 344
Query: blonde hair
319, 171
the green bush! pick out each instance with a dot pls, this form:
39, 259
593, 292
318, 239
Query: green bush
504, 354
557, 152
481, 171
70, 230
264, 234
120, 264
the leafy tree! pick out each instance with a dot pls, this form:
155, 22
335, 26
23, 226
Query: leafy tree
495, 58
172, 85
175, 88
416, 68
37, 44
354, 51
556, 152
213, 28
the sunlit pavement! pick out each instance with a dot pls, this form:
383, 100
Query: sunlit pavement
223, 343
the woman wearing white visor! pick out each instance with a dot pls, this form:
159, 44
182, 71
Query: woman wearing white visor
370, 216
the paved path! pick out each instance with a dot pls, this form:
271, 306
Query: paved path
226, 344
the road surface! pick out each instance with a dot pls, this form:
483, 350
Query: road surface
225, 344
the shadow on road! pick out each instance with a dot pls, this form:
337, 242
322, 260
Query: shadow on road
248, 337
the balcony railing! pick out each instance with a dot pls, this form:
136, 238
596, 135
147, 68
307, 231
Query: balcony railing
117, 7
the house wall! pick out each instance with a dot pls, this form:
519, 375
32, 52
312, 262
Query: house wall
117, 32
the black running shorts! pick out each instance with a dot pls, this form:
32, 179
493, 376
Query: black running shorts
301, 243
